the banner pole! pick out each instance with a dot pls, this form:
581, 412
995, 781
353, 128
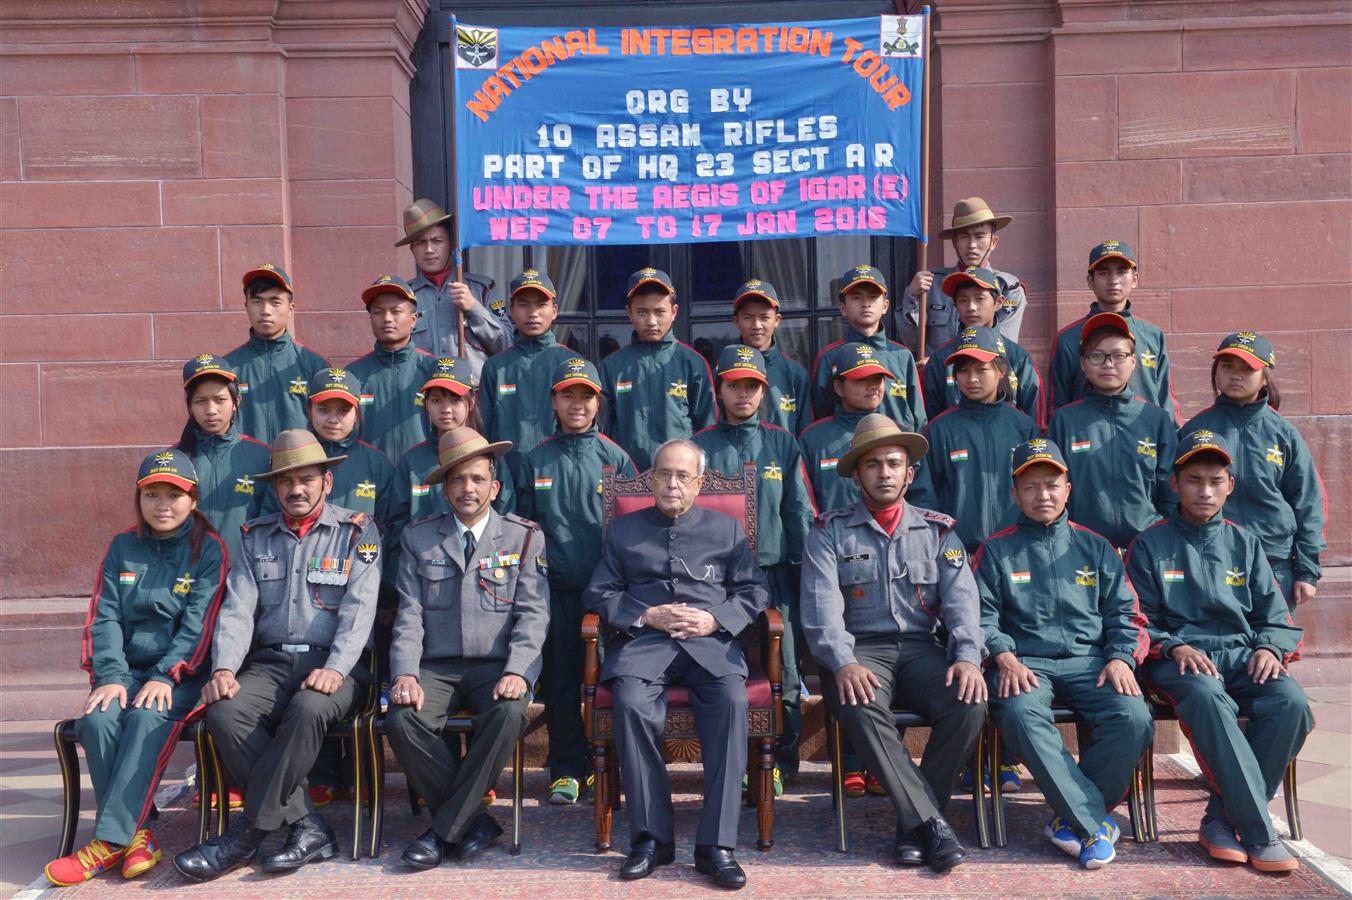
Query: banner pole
459, 275
922, 260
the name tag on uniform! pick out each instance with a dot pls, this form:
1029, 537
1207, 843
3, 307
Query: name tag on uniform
437, 562
327, 570
271, 557
857, 557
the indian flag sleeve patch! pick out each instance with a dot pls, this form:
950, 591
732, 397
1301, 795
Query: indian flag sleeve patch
421, 490
367, 399
505, 390
1081, 446
829, 464
1020, 577
623, 387
1173, 576
126, 578
544, 484
958, 455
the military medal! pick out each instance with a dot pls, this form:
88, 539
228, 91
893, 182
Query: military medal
327, 570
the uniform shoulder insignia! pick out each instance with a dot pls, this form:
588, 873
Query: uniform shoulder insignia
523, 522
938, 518
358, 519
424, 519
823, 518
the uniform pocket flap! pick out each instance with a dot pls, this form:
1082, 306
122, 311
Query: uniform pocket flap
858, 571
922, 571
438, 571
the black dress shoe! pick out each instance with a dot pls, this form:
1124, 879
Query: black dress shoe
942, 849
482, 831
426, 852
646, 854
910, 848
721, 866
310, 839
222, 854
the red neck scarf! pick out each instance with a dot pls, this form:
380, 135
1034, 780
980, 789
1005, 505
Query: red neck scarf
438, 278
302, 526
889, 517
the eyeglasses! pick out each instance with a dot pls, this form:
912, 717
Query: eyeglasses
1098, 358
681, 478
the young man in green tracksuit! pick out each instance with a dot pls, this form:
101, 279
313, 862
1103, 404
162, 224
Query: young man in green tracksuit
274, 368
391, 375
657, 388
864, 304
859, 386
755, 312
966, 472
785, 511
1220, 639
1121, 446
514, 387
1112, 277
976, 297
1062, 620
561, 490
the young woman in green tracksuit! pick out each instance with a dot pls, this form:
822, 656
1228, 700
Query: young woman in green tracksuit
1121, 447
225, 458
146, 644
785, 510
1278, 495
966, 473
561, 490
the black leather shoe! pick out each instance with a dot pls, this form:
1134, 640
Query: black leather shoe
942, 849
222, 854
427, 852
482, 831
721, 867
645, 855
310, 839
910, 848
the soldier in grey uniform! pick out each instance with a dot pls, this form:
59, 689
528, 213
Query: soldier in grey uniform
288, 650
473, 614
678, 583
878, 577
442, 300
974, 235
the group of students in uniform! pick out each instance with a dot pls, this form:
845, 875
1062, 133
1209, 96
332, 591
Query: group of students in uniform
440, 501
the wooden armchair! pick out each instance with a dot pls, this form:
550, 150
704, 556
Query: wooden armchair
736, 496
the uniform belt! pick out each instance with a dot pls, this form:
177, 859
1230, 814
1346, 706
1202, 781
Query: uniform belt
297, 648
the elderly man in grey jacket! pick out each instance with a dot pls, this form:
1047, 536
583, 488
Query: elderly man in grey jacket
879, 577
473, 614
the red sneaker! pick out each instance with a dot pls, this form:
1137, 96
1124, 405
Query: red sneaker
874, 787
854, 784
83, 864
490, 797
322, 794
234, 796
141, 854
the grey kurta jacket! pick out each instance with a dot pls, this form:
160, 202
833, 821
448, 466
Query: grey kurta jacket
494, 606
858, 581
319, 589
701, 559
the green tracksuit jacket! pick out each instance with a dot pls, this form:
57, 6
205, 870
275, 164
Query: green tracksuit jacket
789, 405
824, 442
941, 392
1152, 379
561, 490
903, 400
274, 379
516, 392
391, 397
362, 482
655, 391
1120, 449
1057, 591
783, 494
1278, 495
227, 493
965, 474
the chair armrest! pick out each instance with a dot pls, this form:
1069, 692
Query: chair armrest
774, 633
591, 634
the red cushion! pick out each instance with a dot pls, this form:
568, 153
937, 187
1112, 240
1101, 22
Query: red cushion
758, 695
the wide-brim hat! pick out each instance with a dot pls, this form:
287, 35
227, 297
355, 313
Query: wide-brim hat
419, 216
973, 211
170, 466
460, 444
878, 430
297, 448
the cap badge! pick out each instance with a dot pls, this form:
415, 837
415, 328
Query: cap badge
164, 459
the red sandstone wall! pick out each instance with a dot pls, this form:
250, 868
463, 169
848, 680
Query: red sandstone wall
150, 151
1215, 137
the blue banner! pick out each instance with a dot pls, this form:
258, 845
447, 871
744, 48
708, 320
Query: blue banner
685, 134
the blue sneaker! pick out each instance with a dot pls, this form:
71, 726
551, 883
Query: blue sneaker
965, 779
1095, 853
1010, 782
1109, 831
1059, 832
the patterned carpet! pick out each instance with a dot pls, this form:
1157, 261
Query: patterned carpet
558, 859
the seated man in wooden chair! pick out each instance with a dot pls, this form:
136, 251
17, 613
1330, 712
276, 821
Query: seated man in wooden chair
678, 583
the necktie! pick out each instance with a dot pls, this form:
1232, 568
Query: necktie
469, 550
